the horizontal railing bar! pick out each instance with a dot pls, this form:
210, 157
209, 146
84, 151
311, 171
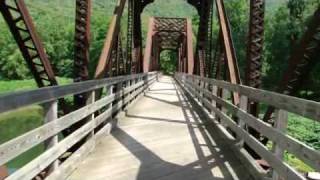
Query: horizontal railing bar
304, 152
306, 108
14, 147
45, 159
20, 99
282, 168
33, 168
66, 168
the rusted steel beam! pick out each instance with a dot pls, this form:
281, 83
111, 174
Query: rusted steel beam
148, 49
209, 46
204, 9
130, 29
229, 50
255, 50
111, 38
121, 62
215, 62
82, 45
23, 30
137, 37
3, 172
167, 34
254, 60
301, 61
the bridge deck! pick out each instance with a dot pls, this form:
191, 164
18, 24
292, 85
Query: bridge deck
161, 137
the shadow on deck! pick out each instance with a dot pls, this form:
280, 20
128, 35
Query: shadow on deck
171, 142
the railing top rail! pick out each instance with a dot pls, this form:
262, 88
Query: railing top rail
207, 97
307, 108
21, 99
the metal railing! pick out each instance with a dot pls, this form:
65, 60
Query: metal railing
204, 91
119, 92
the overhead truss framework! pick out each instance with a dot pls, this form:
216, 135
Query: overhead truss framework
169, 34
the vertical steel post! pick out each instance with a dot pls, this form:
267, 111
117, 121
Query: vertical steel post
255, 49
82, 45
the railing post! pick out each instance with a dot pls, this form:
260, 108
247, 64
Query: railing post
91, 100
145, 79
202, 86
157, 76
225, 95
51, 114
281, 123
183, 80
213, 102
109, 93
128, 82
119, 98
131, 83
244, 107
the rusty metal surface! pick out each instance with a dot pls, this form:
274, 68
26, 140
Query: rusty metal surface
232, 64
148, 48
24, 32
110, 41
169, 34
82, 45
3, 172
190, 55
204, 30
130, 29
22, 28
255, 49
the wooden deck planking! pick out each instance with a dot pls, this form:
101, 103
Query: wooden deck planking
161, 137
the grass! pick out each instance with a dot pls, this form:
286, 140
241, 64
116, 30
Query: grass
22, 85
306, 131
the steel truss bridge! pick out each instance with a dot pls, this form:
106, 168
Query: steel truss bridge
129, 121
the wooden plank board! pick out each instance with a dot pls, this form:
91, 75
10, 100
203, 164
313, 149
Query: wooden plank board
20, 99
161, 137
282, 168
15, 147
41, 162
304, 152
306, 108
